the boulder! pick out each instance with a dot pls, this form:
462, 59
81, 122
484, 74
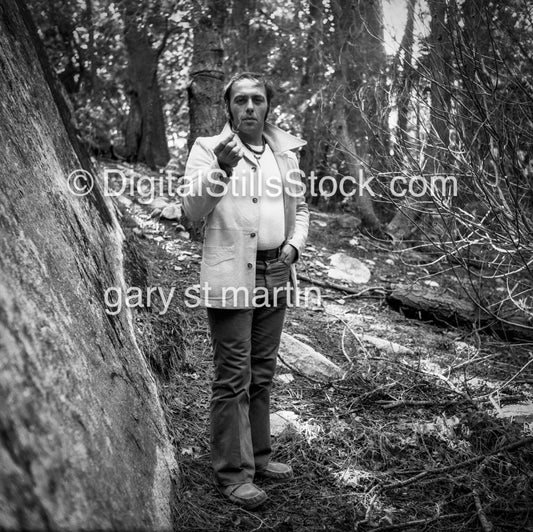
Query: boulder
302, 357
83, 439
350, 269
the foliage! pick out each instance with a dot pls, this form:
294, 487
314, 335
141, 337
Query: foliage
85, 45
476, 128
456, 99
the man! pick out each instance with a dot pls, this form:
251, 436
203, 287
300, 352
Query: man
246, 182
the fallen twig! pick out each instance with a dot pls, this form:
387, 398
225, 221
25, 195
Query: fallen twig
482, 516
446, 469
347, 326
417, 522
473, 361
366, 395
512, 378
444, 379
396, 404
343, 346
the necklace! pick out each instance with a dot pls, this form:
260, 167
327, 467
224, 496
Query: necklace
256, 153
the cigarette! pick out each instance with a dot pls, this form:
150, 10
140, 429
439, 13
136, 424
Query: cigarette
235, 129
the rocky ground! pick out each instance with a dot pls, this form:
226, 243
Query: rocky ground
413, 426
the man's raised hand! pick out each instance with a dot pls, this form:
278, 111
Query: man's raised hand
228, 153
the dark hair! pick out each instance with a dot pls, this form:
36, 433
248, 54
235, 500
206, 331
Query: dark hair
259, 78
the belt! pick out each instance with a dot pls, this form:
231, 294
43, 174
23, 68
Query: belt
268, 254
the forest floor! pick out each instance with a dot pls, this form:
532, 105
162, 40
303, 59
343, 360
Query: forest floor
414, 441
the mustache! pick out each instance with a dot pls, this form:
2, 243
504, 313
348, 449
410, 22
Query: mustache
235, 124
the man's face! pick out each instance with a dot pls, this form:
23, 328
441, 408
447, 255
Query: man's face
248, 105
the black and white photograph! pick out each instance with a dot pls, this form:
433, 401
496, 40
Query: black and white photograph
266, 265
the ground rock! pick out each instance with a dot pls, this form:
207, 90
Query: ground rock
284, 378
171, 212
306, 360
519, 412
159, 203
281, 420
346, 268
285, 419
385, 345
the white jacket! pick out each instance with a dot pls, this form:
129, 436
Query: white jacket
227, 275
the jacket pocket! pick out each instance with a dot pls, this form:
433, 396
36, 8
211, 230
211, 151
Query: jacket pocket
213, 255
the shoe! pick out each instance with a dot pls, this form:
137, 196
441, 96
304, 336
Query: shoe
276, 471
247, 495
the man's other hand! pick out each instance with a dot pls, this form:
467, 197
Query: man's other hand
288, 254
228, 153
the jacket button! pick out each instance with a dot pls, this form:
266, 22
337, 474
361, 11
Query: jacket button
254, 200
250, 265
252, 235
254, 168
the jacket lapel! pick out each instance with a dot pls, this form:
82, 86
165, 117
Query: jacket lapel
279, 140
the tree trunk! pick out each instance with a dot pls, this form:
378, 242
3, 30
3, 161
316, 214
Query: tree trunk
145, 135
64, 24
206, 104
314, 131
401, 225
238, 40
441, 88
91, 78
83, 440
360, 55
406, 77
412, 212
373, 99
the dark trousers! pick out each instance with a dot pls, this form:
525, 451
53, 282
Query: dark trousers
245, 345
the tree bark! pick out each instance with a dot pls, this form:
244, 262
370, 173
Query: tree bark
145, 135
239, 39
412, 211
406, 77
312, 155
441, 86
358, 27
79, 405
206, 104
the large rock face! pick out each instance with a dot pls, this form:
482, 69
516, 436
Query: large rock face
83, 441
